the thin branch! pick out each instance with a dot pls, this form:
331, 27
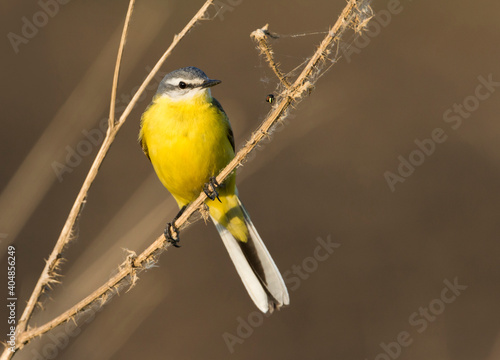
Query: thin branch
51, 264
49, 272
268, 53
111, 120
351, 16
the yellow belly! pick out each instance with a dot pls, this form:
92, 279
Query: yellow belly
187, 143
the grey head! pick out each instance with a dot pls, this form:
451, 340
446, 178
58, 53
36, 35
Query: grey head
185, 83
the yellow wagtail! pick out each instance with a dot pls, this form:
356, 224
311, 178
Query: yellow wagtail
188, 138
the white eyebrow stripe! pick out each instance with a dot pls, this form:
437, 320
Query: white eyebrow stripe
176, 81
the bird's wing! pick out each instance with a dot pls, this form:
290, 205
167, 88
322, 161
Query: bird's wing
230, 135
142, 141
144, 147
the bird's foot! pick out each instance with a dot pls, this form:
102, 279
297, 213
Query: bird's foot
210, 189
171, 232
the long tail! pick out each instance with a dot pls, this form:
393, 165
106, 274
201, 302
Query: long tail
255, 266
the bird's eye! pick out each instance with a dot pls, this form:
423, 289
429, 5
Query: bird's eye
182, 85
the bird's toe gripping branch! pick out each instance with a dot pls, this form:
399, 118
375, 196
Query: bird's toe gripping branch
210, 189
171, 232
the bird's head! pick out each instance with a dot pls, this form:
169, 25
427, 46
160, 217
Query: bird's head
186, 84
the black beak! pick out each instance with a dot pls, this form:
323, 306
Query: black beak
209, 83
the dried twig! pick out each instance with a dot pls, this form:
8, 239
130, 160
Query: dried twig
49, 272
352, 15
260, 36
114, 87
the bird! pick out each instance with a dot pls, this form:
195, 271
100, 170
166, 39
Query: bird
187, 136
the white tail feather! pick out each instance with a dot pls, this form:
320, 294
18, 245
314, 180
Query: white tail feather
250, 280
275, 284
267, 290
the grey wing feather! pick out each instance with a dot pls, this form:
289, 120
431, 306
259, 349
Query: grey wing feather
230, 135
144, 147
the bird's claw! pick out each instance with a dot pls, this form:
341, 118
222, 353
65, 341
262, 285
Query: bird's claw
210, 189
171, 234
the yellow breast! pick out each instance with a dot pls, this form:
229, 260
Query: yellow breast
187, 143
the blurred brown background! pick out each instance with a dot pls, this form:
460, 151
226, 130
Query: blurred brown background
322, 176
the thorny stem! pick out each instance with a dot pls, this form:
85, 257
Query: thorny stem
51, 264
49, 271
114, 87
260, 36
